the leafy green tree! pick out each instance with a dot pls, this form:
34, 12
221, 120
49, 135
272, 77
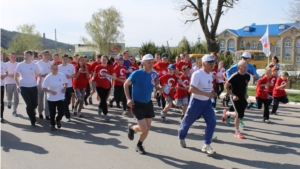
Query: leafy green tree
227, 59
28, 39
184, 46
148, 47
104, 29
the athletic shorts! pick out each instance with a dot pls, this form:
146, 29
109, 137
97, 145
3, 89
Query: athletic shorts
240, 106
169, 99
180, 102
283, 99
143, 110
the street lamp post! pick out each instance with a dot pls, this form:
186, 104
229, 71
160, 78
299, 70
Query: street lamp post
168, 44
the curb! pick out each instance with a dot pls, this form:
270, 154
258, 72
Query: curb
293, 91
253, 99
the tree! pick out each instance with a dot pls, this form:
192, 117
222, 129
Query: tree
104, 29
227, 59
294, 11
209, 18
28, 39
184, 46
148, 47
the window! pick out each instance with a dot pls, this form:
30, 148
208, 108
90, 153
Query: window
298, 42
231, 43
294, 31
222, 43
246, 29
281, 27
242, 44
288, 43
226, 34
279, 43
253, 44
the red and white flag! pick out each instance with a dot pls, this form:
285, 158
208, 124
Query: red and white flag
265, 42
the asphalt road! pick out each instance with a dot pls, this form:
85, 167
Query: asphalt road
89, 142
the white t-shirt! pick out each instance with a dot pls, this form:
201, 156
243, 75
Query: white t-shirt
27, 73
3, 70
69, 69
11, 68
219, 75
202, 81
55, 83
44, 68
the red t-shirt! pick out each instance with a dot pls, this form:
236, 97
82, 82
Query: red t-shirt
161, 68
102, 81
279, 92
272, 83
134, 67
186, 83
92, 68
262, 91
171, 80
58, 62
81, 81
181, 64
115, 63
121, 74
74, 63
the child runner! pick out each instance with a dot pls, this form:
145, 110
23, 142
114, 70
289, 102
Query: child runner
279, 93
168, 82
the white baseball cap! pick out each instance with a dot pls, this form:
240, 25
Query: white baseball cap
147, 57
246, 55
208, 58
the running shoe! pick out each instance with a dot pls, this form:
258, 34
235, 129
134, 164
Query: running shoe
86, 103
182, 143
53, 128
242, 123
58, 124
267, 121
214, 138
68, 119
228, 121
125, 113
106, 118
130, 132
75, 112
215, 110
274, 113
140, 149
90, 100
162, 115
208, 149
224, 115
15, 114
33, 124
80, 115
99, 111
2, 120
9, 106
249, 105
47, 117
41, 116
111, 103
239, 135
118, 106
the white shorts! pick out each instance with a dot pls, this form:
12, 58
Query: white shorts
182, 101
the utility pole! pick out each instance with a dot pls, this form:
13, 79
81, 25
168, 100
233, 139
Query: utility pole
44, 41
55, 41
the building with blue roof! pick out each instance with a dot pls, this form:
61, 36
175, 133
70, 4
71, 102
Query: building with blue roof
284, 39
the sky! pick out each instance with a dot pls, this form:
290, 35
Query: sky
159, 21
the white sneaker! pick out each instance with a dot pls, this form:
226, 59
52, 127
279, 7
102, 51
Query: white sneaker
182, 143
162, 115
208, 149
125, 113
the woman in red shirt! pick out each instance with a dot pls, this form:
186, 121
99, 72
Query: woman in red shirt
80, 80
279, 93
261, 94
105, 73
133, 65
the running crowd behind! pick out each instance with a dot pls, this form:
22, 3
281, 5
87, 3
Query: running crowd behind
49, 87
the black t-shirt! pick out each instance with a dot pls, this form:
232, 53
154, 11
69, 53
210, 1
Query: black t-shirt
239, 83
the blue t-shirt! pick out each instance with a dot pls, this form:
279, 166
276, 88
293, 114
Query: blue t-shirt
127, 63
250, 70
142, 85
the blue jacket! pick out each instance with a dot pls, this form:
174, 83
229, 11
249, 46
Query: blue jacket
250, 69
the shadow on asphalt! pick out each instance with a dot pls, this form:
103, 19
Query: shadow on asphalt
178, 163
10, 141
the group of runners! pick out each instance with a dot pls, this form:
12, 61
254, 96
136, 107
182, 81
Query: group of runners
50, 86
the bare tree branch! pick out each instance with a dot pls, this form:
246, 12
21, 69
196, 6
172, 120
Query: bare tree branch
185, 7
191, 20
193, 4
207, 10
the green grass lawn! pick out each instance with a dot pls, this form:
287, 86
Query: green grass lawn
292, 97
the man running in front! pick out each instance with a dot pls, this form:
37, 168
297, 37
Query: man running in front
201, 88
238, 96
143, 81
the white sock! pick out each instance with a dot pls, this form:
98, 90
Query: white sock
227, 113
